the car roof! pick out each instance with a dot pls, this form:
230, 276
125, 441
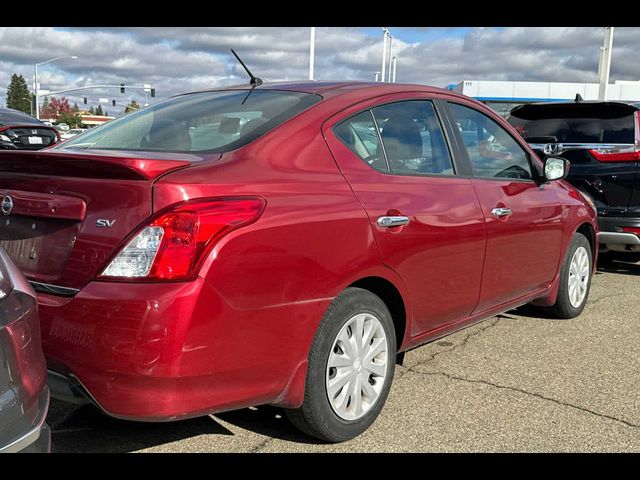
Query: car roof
327, 88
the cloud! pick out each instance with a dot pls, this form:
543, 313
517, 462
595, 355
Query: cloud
177, 59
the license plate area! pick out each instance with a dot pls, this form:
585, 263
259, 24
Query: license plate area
35, 140
39, 247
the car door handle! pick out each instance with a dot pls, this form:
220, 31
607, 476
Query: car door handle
501, 212
393, 221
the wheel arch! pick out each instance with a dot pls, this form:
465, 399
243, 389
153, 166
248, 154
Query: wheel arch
392, 298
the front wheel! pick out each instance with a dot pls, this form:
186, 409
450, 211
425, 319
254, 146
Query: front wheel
575, 279
351, 366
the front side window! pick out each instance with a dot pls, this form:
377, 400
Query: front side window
218, 121
492, 151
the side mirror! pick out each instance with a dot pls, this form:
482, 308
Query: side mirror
555, 168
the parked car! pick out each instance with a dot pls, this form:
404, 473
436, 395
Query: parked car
19, 131
72, 133
24, 395
63, 127
289, 262
602, 141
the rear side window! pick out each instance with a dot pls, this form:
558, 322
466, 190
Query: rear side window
576, 123
493, 152
199, 122
412, 139
359, 134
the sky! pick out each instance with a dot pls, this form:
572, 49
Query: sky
183, 59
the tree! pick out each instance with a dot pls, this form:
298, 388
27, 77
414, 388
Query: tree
75, 107
99, 110
55, 107
92, 110
132, 107
106, 114
18, 95
70, 118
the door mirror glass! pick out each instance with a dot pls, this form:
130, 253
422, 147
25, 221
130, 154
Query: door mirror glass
555, 168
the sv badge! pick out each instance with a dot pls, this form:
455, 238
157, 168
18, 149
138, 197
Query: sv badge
104, 223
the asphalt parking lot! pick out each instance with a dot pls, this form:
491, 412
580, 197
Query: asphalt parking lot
516, 382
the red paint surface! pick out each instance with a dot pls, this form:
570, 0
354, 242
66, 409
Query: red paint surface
239, 334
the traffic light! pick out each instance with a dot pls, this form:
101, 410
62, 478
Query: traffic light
84, 100
122, 88
113, 102
153, 92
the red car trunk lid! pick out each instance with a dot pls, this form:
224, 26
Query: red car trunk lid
52, 202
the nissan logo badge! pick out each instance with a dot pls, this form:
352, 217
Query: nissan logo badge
7, 205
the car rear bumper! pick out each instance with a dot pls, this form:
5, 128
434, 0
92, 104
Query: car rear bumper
612, 234
165, 351
38, 438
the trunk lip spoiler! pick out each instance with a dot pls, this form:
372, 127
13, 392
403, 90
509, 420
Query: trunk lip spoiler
144, 165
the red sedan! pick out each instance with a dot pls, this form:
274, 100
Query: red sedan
280, 244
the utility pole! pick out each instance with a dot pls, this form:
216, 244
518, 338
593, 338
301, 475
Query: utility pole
384, 54
375, 76
604, 66
312, 51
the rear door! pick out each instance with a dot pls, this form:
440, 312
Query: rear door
599, 139
524, 219
425, 218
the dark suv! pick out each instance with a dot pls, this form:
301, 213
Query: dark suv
602, 142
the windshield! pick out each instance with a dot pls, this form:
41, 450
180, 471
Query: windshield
198, 122
8, 117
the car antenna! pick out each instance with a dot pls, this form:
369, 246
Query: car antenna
255, 81
578, 98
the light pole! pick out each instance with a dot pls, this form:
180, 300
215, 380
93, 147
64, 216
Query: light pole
395, 64
312, 51
375, 77
30, 104
605, 63
384, 53
389, 56
37, 86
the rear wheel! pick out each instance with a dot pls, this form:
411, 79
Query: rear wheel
575, 279
351, 366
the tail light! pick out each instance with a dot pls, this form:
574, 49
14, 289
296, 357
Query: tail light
629, 154
617, 155
174, 243
635, 230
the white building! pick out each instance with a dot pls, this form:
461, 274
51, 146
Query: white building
503, 96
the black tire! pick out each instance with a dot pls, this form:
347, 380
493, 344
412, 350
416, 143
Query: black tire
316, 417
563, 307
611, 255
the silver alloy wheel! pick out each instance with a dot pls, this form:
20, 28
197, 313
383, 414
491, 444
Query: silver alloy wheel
357, 366
579, 272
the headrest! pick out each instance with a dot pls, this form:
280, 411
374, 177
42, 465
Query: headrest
401, 138
169, 135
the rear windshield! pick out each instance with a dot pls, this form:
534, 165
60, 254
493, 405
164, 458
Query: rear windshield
199, 122
576, 123
8, 117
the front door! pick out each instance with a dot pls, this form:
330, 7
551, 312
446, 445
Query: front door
426, 220
523, 217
